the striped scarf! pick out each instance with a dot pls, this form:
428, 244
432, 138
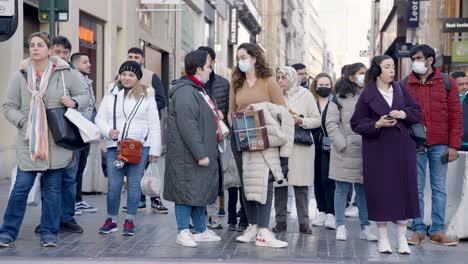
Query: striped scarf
38, 130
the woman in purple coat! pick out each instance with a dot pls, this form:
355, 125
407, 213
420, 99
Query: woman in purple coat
384, 113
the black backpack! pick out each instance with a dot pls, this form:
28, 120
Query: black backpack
444, 75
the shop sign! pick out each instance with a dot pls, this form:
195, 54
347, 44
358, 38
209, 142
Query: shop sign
233, 21
7, 8
403, 49
412, 14
455, 25
460, 51
86, 35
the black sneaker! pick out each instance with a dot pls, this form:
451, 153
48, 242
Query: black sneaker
158, 206
37, 230
49, 241
141, 207
5, 241
232, 227
71, 227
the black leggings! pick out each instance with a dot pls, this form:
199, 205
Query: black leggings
324, 188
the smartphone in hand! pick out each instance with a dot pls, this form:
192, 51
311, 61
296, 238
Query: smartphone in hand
390, 118
444, 158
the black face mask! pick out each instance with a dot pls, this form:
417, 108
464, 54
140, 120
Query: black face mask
323, 91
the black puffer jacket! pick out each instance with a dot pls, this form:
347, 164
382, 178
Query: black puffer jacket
218, 89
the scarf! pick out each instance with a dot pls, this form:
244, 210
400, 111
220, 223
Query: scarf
209, 101
38, 130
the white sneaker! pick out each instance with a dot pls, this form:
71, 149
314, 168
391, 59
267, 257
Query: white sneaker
352, 211
366, 234
266, 238
341, 233
403, 247
249, 234
320, 219
384, 246
207, 236
330, 221
186, 239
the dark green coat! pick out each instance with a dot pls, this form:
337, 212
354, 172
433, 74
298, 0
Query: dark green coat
191, 137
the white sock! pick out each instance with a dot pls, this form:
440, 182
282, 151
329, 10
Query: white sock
401, 231
383, 232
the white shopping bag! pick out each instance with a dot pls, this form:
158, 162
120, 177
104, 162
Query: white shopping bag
151, 183
88, 130
34, 196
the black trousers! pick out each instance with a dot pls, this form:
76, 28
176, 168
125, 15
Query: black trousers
83, 160
234, 196
324, 188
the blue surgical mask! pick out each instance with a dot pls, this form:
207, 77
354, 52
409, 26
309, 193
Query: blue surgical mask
244, 65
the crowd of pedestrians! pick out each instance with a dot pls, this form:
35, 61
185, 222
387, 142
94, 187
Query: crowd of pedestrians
343, 142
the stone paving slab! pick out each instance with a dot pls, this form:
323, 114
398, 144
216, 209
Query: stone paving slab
155, 243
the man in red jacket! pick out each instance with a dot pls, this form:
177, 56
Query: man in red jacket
437, 94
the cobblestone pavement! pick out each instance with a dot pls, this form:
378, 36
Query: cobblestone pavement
155, 243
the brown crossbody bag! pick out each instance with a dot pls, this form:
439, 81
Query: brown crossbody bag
128, 150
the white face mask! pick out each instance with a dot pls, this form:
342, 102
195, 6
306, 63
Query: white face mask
244, 65
360, 80
419, 67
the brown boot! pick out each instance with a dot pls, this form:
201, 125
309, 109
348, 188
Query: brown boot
443, 239
305, 229
280, 227
416, 239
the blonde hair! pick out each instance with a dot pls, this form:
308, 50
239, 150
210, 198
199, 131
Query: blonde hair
137, 90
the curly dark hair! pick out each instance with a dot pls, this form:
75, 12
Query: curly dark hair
262, 69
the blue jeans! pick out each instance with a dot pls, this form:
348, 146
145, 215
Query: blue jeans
51, 191
341, 196
69, 190
438, 175
183, 213
115, 178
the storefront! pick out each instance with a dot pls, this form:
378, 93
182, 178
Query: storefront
91, 37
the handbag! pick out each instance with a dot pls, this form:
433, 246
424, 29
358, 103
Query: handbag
417, 131
418, 134
88, 130
65, 133
128, 150
303, 136
34, 196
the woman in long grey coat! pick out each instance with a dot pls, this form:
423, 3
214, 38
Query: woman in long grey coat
346, 154
384, 113
39, 85
191, 176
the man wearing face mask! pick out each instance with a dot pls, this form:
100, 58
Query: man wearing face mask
303, 76
462, 82
442, 116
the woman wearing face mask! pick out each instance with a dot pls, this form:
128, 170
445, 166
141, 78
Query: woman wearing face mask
346, 154
383, 114
191, 178
303, 106
253, 82
38, 85
324, 188
128, 111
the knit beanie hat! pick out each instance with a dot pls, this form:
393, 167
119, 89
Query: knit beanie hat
132, 67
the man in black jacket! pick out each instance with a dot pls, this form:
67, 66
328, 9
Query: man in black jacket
217, 88
150, 79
